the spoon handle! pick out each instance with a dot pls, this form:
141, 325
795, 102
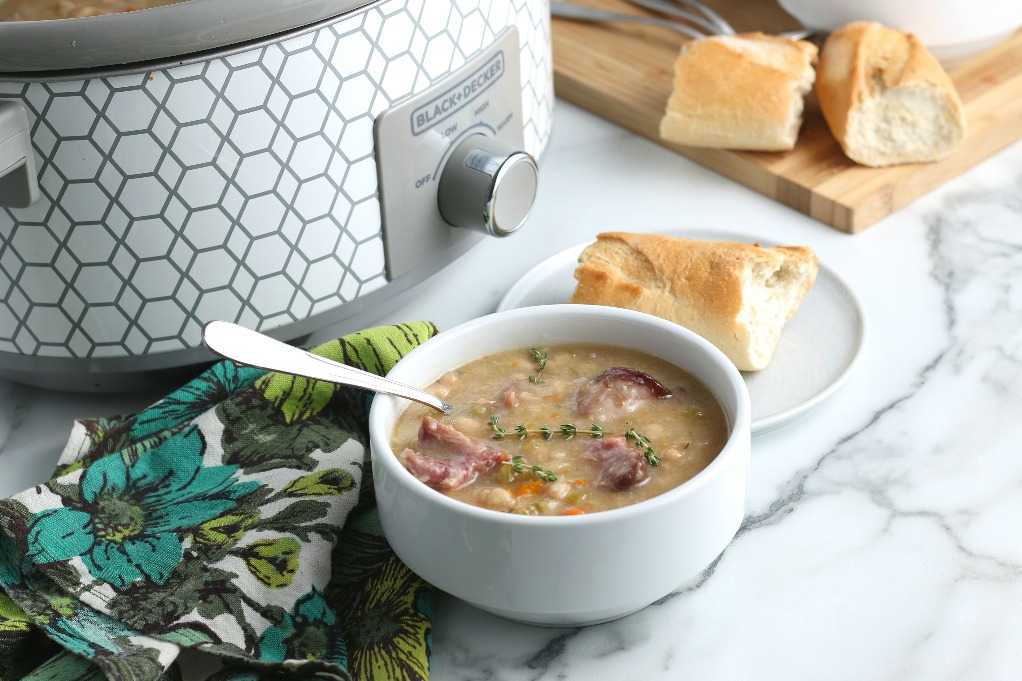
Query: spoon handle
568, 10
252, 348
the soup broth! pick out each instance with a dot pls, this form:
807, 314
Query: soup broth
37, 10
564, 430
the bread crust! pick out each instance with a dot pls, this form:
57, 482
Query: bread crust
701, 285
864, 62
739, 92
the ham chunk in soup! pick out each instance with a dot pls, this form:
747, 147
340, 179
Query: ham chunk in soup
621, 465
618, 390
465, 458
582, 433
511, 396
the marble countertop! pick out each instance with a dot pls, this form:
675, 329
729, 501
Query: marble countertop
882, 538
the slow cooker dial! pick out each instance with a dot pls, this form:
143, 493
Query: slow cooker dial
487, 185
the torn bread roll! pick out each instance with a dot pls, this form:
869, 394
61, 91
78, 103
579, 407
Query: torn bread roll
737, 296
742, 91
886, 99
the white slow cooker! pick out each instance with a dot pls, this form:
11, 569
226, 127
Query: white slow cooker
284, 165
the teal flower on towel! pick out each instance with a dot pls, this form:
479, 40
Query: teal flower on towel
184, 404
308, 632
129, 520
83, 631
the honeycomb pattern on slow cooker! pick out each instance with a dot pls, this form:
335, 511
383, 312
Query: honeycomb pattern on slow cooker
240, 188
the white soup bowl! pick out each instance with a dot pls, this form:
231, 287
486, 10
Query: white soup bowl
574, 570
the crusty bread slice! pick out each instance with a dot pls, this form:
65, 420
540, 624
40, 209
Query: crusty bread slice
739, 92
886, 99
737, 296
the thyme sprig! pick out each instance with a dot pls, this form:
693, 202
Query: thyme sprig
565, 430
541, 358
568, 430
642, 442
519, 466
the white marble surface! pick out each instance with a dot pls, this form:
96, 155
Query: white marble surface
884, 529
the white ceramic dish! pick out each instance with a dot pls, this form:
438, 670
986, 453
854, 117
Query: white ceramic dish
816, 353
564, 571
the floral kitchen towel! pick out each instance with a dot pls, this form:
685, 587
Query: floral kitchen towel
235, 517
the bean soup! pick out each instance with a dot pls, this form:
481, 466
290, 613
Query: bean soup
564, 430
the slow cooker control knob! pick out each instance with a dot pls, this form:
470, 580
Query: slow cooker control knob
487, 185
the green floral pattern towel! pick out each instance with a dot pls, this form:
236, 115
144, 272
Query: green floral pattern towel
236, 517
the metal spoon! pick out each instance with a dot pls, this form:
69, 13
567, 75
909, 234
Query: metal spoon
566, 10
252, 348
692, 11
712, 24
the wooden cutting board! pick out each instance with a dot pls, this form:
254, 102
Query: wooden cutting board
623, 72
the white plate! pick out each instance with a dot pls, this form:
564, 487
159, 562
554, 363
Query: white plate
816, 352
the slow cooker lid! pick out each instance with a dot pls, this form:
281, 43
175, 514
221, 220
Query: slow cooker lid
157, 33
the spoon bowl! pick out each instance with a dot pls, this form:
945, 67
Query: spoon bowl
255, 349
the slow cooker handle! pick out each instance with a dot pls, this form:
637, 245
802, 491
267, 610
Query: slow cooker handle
19, 186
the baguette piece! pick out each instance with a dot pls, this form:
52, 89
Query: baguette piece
886, 99
739, 92
737, 296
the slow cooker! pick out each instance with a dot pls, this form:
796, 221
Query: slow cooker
286, 165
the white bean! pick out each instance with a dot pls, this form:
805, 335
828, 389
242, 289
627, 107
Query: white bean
553, 386
562, 358
674, 453
470, 426
558, 490
653, 431
496, 498
548, 506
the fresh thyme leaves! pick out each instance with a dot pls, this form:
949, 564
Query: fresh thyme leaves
565, 430
540, 358
498, 432
642, 442
522, 432
568, 430
519, 466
